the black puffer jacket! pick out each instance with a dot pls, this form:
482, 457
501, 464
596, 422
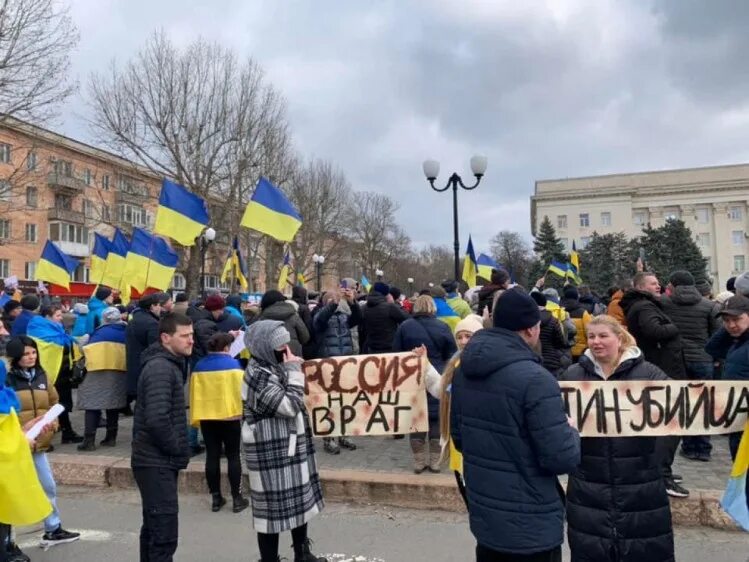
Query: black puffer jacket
380, 320
142, 331
333, 329
486, 297
617, 506
554, 349
286, 312
657, 336
697, 320
160, 423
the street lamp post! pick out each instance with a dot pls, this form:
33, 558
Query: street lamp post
319, 261
432, 170
208, 236
410, 287
380, 274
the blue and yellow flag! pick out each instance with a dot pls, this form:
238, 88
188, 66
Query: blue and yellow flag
470, 267
484, 266
235, 263
558, 268
105, 350
736, 497
150, 262
446, 313
573, 267
216, 389
365, 283
99, 258
51, 341
118, 249
300, 279
270, 212
181, 214
55, 266
283, 276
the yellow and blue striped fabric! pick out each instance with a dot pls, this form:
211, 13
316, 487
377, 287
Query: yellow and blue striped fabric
484, 266
216, 389
181, 214
99, 259
558, 268
118, 249
735, 498
150, 262
283, 277
105, 351
446, 313
470, 267
365, 283
235, 262
573, 267
55, 266
270, 212
51, 341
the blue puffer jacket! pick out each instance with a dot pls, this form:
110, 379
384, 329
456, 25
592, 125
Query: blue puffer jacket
508, 421
93, 318
332, 327
734, 351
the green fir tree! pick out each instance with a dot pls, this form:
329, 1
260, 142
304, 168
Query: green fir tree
548, 247
672, 247
608, 260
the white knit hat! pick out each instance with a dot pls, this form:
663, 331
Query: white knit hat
471, 323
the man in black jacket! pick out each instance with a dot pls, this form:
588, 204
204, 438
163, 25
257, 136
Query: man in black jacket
142, 332
159, 449
658, 339
380, 319
697, 320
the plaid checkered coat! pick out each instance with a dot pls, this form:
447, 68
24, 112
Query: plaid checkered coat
285, 488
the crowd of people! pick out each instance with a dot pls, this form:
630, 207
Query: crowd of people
495, 356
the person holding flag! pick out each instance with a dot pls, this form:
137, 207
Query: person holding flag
235, 266
470, 267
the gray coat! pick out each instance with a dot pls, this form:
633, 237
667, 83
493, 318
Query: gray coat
697, 320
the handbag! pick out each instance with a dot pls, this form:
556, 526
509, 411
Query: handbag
78, 373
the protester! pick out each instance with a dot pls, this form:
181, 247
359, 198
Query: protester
142, 331
512, 453
29, 306
427, 330
580, 318
454, 299
234, 308
587, 300
36, 396
614, 308
160, 449
299, 296
555, 352
102, 299
697, 320
216, 406
380, 319
11, 310
180, 303
80, 311
105, 384
658, 339
731, 285
617, 506
212, 319
500, 281
285, 488
333, 324
274, 306
444, 312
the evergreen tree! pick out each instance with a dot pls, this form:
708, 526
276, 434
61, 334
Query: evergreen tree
608, 260
547, 247
671, 247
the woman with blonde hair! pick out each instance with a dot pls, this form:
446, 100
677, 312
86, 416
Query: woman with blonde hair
617, 506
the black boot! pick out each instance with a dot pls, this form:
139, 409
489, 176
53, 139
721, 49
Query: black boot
110, 439
218, 501
304, 554
239, 503
88, 444
70, 436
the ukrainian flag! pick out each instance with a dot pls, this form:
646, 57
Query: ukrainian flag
573, 267
235, 262
270, 212
51, 341
365, 283
470, 267
300, 280
283, 277
150, 262
446, 313
99, 258
105, 350
736, 497
118, 249
55, 266
181, 214
558, 268
484, 266
216, 389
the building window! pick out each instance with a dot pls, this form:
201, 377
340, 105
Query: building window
737, 237
64, 167
562, 221
31, 163
703, 239
584, 241
29, 270
105, 182
4, 153
211, 282
88, 208
32, 197
87, 176
671, 214
565, 242
5, 190
738, 264
63, 202
105, 213
30, 232
4, 229
179, 282
132, 214
703, 216
4, 268
605, 219
584, 219
639, 218
735, 213
65, 232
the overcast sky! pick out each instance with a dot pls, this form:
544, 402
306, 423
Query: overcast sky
544, 89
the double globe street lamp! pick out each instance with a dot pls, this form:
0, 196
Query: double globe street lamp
207, 238
432, 170
318, 260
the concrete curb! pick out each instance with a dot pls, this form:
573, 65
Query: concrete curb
424, 491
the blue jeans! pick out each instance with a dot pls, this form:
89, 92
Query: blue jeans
700, 444
44, 473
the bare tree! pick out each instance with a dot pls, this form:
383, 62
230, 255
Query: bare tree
196, 115
36, 37
512, 252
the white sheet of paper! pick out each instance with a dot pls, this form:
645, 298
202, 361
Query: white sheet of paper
52, 414
237, 345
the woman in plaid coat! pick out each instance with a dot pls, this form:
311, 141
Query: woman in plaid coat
284, 485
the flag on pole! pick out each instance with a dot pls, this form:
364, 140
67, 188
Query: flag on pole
283, 277
150, 262
235, 263
300, 279
735, 498
55, 266
573, 270
484, 266
470, 267
99, 258
365, 283
558, 268
270, 212
181, 214
115, 265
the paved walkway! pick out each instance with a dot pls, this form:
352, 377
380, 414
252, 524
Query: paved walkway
381, 454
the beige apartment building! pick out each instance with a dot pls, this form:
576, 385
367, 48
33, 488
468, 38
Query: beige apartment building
712, 201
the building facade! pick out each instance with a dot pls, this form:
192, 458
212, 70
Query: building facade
713, 202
